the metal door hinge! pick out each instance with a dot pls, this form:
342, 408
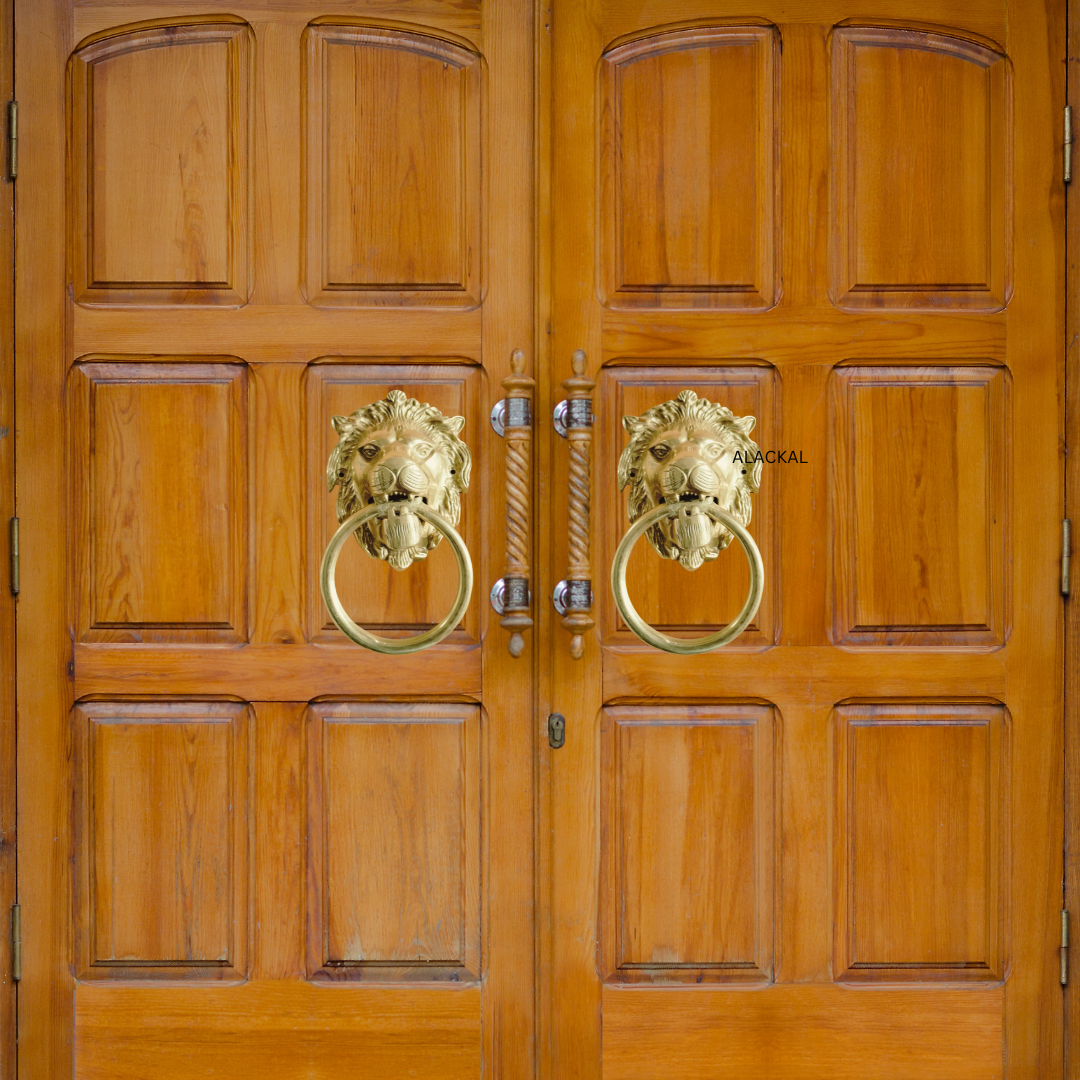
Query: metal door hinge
1065, 947
13, 548
556, 730
1068, 144
16, 943
13, 139
1066, 556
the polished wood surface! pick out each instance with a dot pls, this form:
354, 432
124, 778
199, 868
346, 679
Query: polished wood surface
243, 225
909, 640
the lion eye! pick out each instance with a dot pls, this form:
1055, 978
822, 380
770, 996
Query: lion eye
660, 452
422, 449
712, 452
369, 451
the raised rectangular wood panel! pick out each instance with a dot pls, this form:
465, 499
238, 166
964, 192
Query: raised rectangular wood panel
161, 821
159, 492
919, 509
277, 1028
375, 595
661, 589
393, 834
688, 843
814, 1032
922, 182
921, 814
688, 149
392, 168
162, 220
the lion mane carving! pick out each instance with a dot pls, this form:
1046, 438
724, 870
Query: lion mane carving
689, 450
399, 450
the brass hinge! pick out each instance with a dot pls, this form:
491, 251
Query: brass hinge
1064, 947
16, 943
13, 139
1068, 144
1066, 556
13, 538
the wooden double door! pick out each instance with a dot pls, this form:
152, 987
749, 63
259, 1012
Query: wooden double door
249, 847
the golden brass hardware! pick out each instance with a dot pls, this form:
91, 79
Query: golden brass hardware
517, 430
692, 468
577, 418
1064, 952
400, 467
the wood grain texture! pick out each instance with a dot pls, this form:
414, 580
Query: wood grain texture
277, 1028
161, 820
922, 171
921, 815
658, 587
275, 671
159, 494
162, 221
688, 843
377, 597
787, 1031
920, 510
391, 168
688, 147
393, 842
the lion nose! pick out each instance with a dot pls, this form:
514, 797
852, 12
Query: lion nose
689, 473
401, 473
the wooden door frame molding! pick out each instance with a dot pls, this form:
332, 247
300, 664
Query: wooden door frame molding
8, 999
1071, 898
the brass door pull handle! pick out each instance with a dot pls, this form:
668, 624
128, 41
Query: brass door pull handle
691, 468
401, 468
573, 596
516, 423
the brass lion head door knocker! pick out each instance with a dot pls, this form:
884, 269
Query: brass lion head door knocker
400, 468
691, 468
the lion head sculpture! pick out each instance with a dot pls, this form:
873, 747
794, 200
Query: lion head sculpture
399, 450
688, 451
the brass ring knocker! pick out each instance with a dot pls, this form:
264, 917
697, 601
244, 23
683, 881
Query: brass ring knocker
650, 635
395, 646
401, 468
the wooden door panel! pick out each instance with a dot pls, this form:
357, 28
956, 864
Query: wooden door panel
159, 499
909, 343
376, 596
921, 816
394, 835
656, 585
919, 508
921, 196
162, 813
926, 1034
688, 844
687, 159
294, 211
392, 168
162, 220
277, 1028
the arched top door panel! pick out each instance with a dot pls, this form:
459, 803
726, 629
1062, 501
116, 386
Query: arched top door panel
921, 171
159, 166
688, 192
391, 169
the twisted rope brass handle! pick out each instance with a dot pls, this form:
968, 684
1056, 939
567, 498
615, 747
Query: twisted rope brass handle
579, 600
395, 646
518, 435
650, 635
